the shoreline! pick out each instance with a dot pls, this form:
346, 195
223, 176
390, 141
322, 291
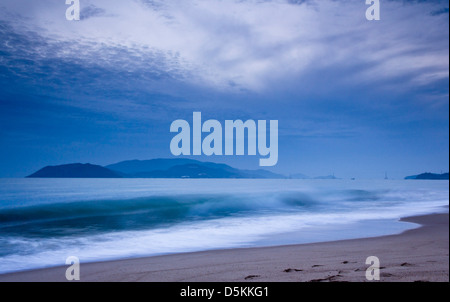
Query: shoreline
418, 254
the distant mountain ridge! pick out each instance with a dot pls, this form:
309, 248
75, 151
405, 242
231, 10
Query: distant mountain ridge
430, 176
138, 166
299, 176
177, 168
154, 168
75, 171
326, 177
184, 168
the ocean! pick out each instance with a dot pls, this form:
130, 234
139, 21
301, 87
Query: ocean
44, 221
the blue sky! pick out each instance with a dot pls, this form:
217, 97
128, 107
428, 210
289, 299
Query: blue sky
352, 97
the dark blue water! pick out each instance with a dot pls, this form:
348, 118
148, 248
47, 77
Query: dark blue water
44, 221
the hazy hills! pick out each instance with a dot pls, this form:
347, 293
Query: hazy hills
75, 171
431, 176
176, 168
155, 168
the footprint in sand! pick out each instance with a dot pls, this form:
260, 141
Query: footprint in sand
289, 270
331, 278
386, 275
251, 277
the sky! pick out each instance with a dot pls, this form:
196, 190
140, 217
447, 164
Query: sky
352, 97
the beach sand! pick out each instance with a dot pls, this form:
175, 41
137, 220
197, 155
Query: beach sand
421, 254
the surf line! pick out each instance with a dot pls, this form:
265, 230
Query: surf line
212, 144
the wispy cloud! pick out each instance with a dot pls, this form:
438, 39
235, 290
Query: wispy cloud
440, 11
240, 44
91, 11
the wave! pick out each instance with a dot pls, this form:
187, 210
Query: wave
106, 215
42, 233
139, 213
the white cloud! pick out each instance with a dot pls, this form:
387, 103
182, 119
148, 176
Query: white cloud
248, 43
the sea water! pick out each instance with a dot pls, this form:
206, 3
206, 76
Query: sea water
44, 221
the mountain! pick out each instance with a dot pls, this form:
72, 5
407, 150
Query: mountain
260, 173
299, 176
326, 177
431, 176
75, 171
155, 168
184, 168
189, 171
131, 167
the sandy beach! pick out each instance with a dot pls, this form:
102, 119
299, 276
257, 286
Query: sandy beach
420, 254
